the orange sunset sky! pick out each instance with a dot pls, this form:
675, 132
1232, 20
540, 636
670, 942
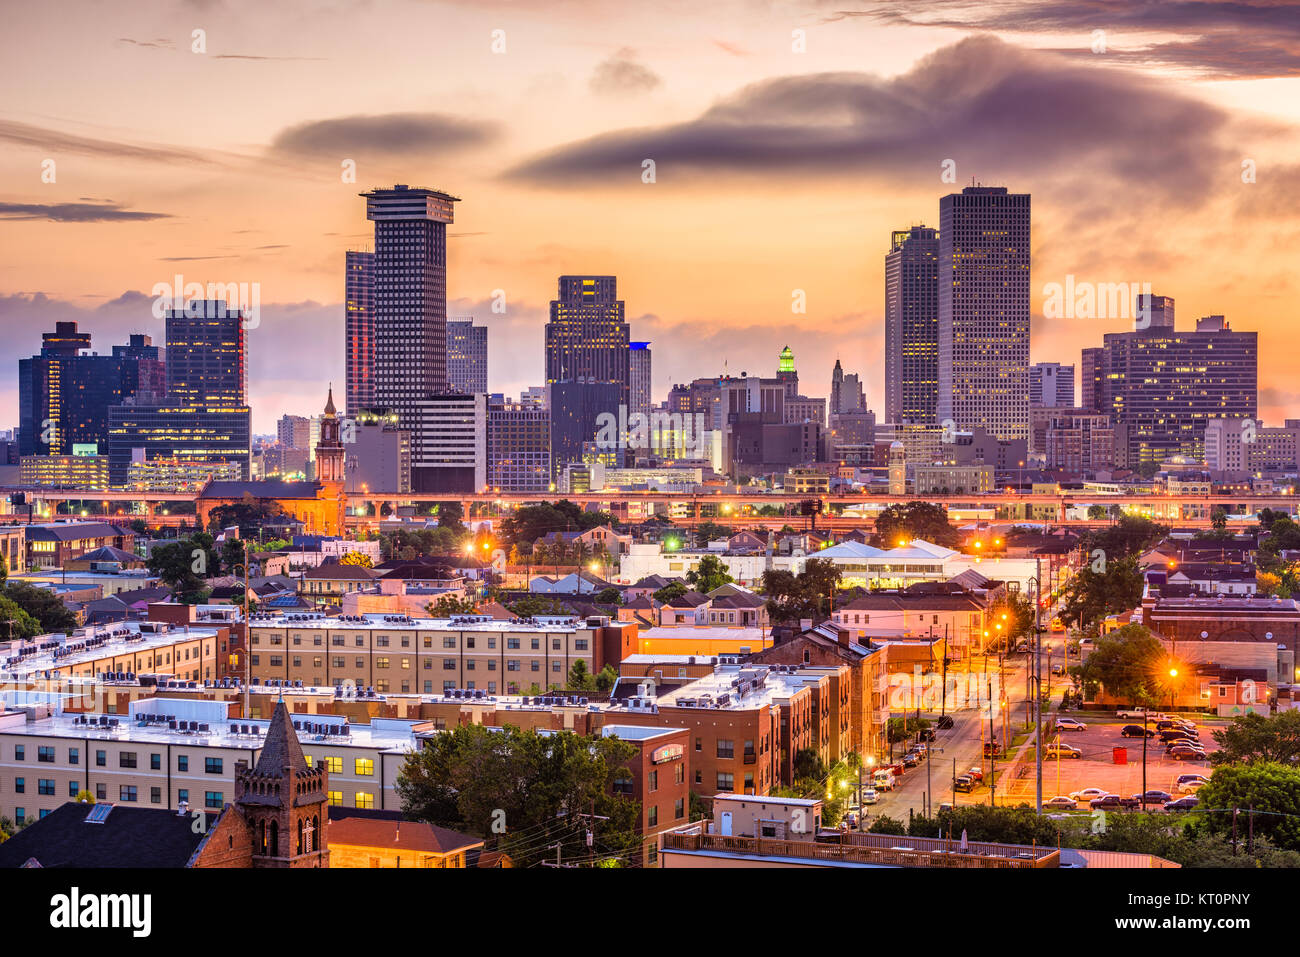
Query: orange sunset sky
777, 168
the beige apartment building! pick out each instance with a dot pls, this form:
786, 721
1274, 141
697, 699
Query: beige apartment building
400, 654
169, 752
137, 647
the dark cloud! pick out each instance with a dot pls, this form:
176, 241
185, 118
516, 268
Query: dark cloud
995, 109
53, 142
391, 134
75, 212
1230, 39
621, 74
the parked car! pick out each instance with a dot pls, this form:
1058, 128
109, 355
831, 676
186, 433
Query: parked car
910, 760
1177, 734
1165, 724
1191, 776
869, 796
1062, 750
1087, 794
963, 783
1060, 801
1192, 786
1135, 731
1154, 796
1186, 754
1112, 802
1070, 724
1185, 803
1138, 713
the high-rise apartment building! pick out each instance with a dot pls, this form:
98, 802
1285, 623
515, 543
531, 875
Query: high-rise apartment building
207, 354
1161, 386
912, 326
467, 356
1051, 385
294, 431
1091, 370
359, 330
984, 234
409, 301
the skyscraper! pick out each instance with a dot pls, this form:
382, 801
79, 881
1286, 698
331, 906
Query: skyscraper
518, 448
984, 310
588, 359
359, 330
64, 393
467, 356
204, 417
912, 326
639, 378
206, 353
846, 392
409, 300
1051, 385
1091, 369
1161, 387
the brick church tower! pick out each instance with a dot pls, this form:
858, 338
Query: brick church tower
284, 801
329, 450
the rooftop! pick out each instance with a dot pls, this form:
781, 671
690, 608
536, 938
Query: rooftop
478, 623
53, 652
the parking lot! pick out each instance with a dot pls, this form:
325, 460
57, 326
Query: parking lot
1097, 768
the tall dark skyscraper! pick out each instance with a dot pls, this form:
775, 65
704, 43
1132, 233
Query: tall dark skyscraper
588, 361
1161, 386
467, 356
204, 417
64, 393
1091, 388
984, 310
409, 300
206, 353
912, 326
359, 330
588, 337
639, 385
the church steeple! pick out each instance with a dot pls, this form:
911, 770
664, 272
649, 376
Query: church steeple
284, 800
329, 450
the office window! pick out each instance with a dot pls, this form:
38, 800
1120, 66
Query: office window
45, 754
726, 748
449, 641
101, 759
512, 665
277, 661
365, 766
155, 795
512, 643
182, 794
20, 785
652, 816
74, 755
212, 765
214, 800
20, 815
335, 798
381, 662
652, 781
334, 765
101, 792
182, 762
127, 792
726, 781
679, 808
365, 800
536, 644
535, 665
20, 752
580, 644
155, 762
45, 786
73, 789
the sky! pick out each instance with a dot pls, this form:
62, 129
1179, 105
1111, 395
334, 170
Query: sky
211, 139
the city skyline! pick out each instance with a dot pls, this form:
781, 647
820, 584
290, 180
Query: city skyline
237, 192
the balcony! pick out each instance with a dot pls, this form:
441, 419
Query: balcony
879, 849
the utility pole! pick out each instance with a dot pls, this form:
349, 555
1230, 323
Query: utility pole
993, 758
943, 704
1038, 686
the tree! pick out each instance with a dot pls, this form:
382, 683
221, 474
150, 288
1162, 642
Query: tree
1126, 663
605, 679
357, 558
1255, 738
531, 605
39, 604
709, 574
15, 622
923, 520
1283, 535
1093, 594
673, 590
451, 516
251, 515
528, 790
184, 564
449, 605
232, 555
1096, 512
707, 532
1130, 535
793, 598
609, 596
1267, 791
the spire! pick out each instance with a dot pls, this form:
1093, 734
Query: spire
282, 752
329, 403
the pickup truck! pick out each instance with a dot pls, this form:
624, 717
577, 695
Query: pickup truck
1108, 802
1138, 713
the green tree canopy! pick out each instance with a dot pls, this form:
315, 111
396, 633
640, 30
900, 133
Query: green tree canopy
923, 520
792, 598
711, 573
1102, 587
1253, 738
1127, 663
41, 605
1267, 791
